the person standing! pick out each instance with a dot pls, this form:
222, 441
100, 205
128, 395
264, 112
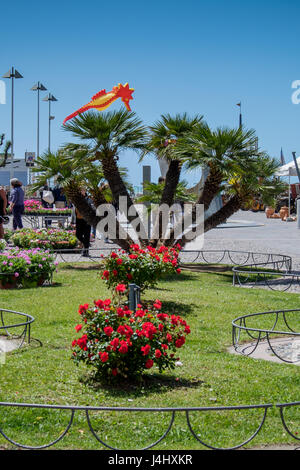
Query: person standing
3, 205
17, 203
83, 232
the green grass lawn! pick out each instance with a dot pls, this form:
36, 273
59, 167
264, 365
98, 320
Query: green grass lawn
210, 376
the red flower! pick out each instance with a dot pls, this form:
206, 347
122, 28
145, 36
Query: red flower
115, 272
164, 346
108, 330
133, 256
187, 329
149, 330
120, 312
113, 255
129, 276
74, 343
146, 349
178, 270
123, 347
83, 308
180, 342
157, 304
119, 261
115, 343
157, 353
169, 337
106, 274
107, 302
99, 303
149, 364
114, 372
103, 356
82, 342
121, 330
78, 328
121, 288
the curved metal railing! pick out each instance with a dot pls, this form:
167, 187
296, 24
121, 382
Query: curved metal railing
251, 269
259, 334
172, 412
15, 330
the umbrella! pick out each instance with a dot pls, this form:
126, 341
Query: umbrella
289, 169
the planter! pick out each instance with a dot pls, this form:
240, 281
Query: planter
269, 211
284, 212
8, 285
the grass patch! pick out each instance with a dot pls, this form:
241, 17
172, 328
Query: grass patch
209, 376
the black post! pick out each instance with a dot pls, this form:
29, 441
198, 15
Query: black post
134, 296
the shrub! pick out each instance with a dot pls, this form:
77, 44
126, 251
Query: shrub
122, 344
27, 268
144, 267
42, 238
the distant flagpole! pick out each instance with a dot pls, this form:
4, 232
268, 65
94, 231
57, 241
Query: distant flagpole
240, 118
282, 159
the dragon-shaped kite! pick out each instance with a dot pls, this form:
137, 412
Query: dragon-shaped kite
103, 99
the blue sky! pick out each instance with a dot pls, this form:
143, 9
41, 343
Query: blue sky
195, 56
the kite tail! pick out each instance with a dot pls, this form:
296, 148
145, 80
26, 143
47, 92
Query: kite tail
79, 111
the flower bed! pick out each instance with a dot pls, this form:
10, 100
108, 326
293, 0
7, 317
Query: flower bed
26, 268
122, 344
55, 239
143, 267
34, 207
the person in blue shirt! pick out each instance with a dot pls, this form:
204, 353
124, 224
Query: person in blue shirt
17, 203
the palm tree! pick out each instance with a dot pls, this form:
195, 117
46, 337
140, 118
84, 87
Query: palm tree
165, 135
228, 153
4, 156
107, 135
75, 172
154, 191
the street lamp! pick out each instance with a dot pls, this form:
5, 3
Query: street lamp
37, 87
49, 98
12, 73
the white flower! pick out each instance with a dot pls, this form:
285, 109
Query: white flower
178, 364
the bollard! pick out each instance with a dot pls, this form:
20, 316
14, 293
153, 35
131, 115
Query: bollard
134, 296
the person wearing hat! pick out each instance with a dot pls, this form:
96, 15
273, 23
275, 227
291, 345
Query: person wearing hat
17, 203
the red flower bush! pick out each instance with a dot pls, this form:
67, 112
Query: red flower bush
120, 343
143, 267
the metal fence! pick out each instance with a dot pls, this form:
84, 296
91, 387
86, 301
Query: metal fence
15, 330
258, 335
170, 411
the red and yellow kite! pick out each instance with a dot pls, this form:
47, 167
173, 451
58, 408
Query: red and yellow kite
103, 99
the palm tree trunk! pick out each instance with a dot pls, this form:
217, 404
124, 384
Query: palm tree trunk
210, 190
89, 214
112, 175
172, 180
232, 206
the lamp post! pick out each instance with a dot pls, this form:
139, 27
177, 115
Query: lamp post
12, 73
49, 98
37, 87
240, 117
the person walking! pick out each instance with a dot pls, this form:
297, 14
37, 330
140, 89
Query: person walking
83, 232
83, 229
17, 203
3, 205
